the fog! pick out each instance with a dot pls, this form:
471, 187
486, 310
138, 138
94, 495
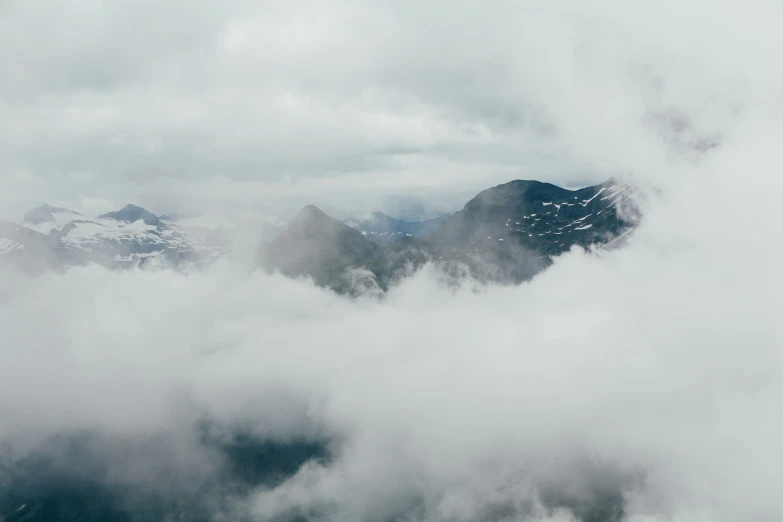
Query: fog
644, 380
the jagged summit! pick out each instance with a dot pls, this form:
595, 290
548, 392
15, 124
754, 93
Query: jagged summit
46, 218
132, 213
311, 222
311, 212
45, 213
318, 246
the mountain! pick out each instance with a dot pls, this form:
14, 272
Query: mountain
539, 216
132, 236
328, 251
383, 229
52, 237
26, 249
68, 478
131, 214
46, 218
507, 233
511, 231
55, 238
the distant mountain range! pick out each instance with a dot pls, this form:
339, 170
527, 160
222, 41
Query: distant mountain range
506, 233
55, 238
383, 229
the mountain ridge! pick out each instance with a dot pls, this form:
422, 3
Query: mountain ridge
506, 233
131, 213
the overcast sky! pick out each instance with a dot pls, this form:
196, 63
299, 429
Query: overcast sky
185, 104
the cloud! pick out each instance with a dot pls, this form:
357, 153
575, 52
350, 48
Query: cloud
650, 374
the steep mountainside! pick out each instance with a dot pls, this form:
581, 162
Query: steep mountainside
330, 252
511, 231
26, 249
539, 216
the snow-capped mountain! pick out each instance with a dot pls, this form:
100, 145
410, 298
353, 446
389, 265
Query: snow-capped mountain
537, 216
46, 218
512, 231
131, 236
53, 237
25, 248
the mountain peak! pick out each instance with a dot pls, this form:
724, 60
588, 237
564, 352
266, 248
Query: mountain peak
46, 214
132, 213
319, 246
309, 213
539, 217
312, 221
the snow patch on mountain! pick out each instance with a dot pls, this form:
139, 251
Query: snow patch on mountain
46, 218
7, 245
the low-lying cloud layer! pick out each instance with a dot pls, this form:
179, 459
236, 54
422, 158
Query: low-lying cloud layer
652, 372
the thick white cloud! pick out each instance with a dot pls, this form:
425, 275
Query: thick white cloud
656, 367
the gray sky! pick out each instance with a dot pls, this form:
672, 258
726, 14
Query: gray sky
190, 103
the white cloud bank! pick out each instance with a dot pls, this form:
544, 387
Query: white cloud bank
657, 366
